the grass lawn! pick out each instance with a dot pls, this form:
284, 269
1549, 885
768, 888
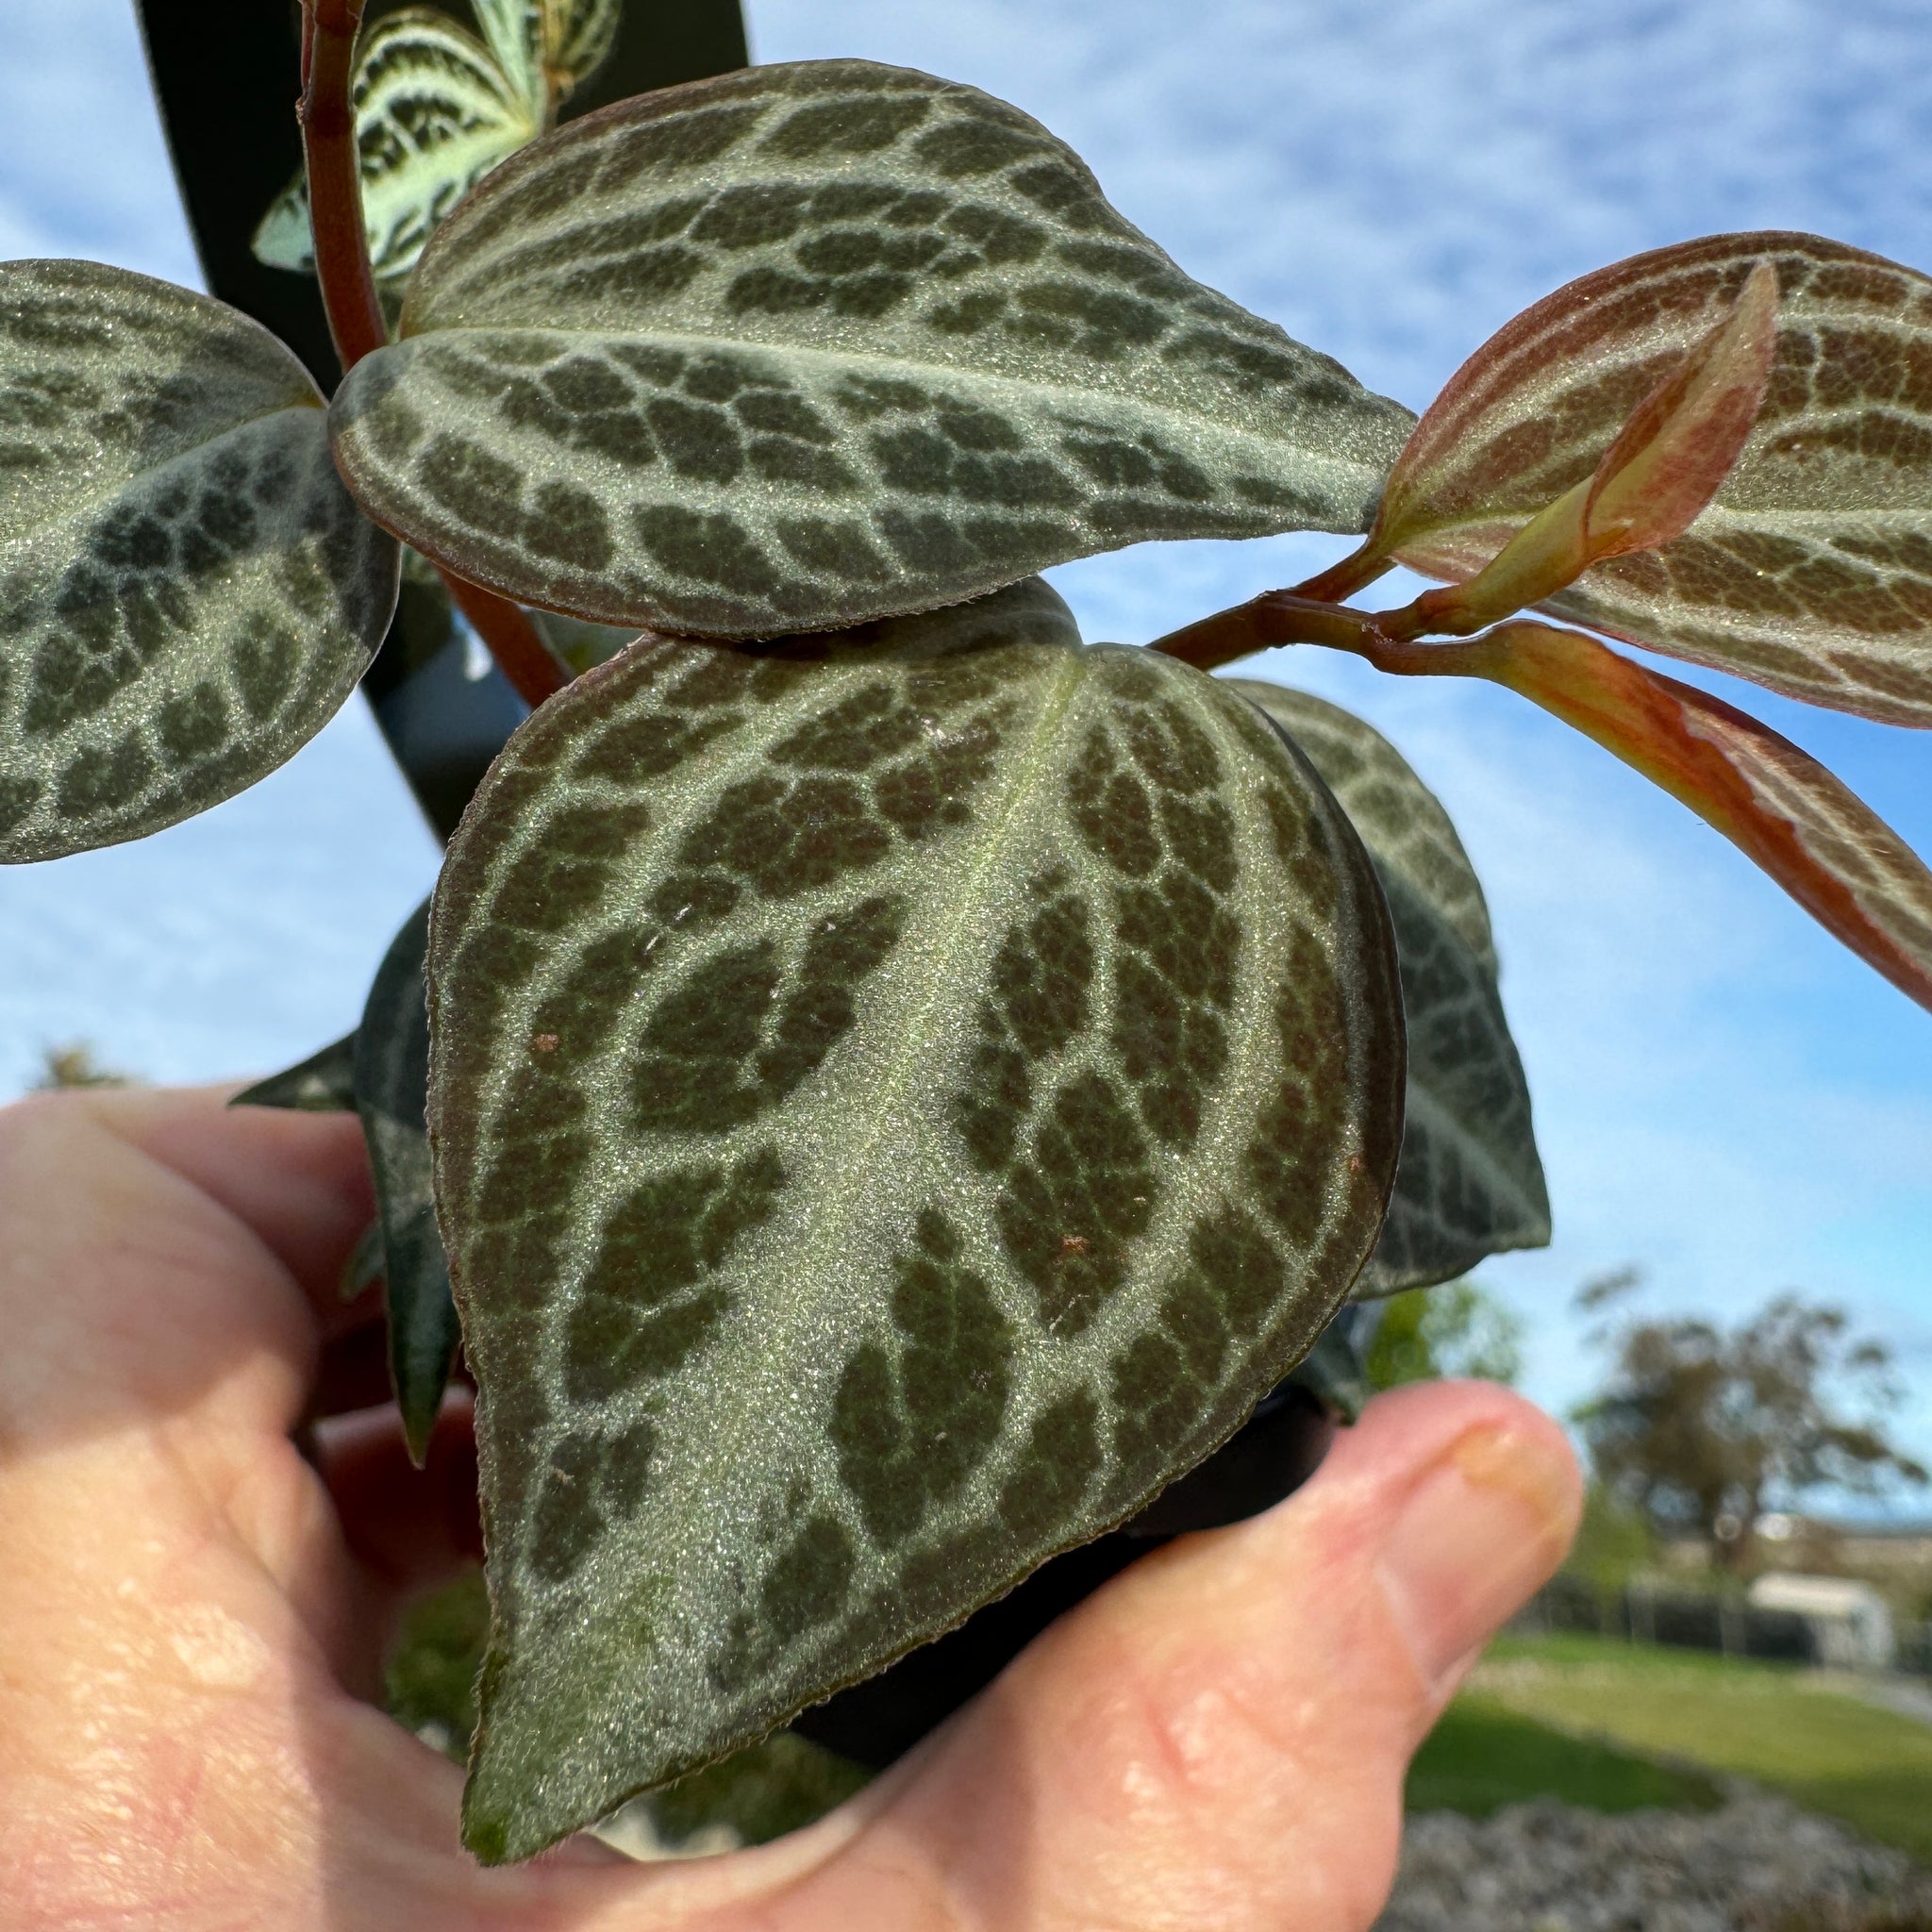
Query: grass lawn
1626, 1706
1482, 1756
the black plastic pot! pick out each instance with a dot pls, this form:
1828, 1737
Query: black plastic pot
226, 74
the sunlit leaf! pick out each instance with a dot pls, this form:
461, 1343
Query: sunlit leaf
1779, 805
391, 1089
1685, 438
897, 1101
1812, 570
434, 113
187, 591
809, 345
547, 47
324, 1083
1657, 476
1470, 1182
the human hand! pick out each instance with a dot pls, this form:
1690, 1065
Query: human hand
192, 1614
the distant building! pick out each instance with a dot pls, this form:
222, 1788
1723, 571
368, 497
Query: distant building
1851, 1626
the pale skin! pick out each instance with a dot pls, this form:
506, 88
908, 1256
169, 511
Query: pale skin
192, 1614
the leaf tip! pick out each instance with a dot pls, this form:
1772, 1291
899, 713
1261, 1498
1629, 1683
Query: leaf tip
486, 1838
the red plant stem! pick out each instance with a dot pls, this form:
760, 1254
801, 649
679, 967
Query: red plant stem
523, 657
335, 179
1276, 617
343, 267
1355, 572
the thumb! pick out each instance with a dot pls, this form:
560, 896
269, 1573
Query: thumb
1217, 1738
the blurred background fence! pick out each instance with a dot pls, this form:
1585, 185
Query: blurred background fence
1643, 1612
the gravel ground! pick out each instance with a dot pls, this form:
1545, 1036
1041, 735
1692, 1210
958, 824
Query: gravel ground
1758, 1864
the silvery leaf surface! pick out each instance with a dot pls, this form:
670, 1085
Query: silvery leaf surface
392, 1091
187, 591
547, 47
324, 1083
434, 113
1470, 1182
807, 345
898, 1102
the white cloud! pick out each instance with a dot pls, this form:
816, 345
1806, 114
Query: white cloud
83, 167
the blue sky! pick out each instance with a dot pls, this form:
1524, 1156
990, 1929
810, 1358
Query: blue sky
1723, 1096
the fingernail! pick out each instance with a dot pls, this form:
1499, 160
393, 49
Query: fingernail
1479, 1533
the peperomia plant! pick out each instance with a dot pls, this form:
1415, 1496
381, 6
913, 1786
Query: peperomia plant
896, 1085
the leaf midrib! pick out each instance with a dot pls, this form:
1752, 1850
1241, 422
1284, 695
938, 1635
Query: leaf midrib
1101, 396
826, 1235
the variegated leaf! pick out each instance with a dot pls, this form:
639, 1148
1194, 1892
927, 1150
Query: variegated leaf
392, 1091
187, 591
548, 46
1828, 848
324, 1083
897, 1101
1470, 1182
1811, 571
434, 113
810, 345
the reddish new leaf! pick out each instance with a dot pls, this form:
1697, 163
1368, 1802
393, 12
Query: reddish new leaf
1811, 570
1670, 459
1662, 469
1778, 805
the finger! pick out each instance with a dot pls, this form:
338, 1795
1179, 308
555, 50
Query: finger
134, 1287
298, 1181
411, 1529
1217, 1738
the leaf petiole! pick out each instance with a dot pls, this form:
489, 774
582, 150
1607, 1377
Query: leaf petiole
349, 298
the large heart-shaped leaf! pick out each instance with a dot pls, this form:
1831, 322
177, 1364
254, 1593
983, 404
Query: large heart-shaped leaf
808, 344
1470, 1182
1811, 570
897, 1101
187, 591
434, 113
391, 1089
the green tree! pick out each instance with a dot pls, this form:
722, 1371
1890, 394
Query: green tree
1459, 1329
1703, 1427
1613, 1541
74, 1065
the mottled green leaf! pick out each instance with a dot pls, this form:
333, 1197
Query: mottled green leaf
187, 591
434, 113
1811, 570
764, 1791
548, 46
391, 1088
1470, 1182
324, 1083
897, 1101
809, 345
363, 1269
